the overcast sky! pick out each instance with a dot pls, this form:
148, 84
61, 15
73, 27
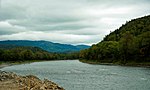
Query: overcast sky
66, 21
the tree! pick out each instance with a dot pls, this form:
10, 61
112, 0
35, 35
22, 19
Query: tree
126, 46
143, 42
27, 55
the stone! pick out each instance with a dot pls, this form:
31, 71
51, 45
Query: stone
12, 81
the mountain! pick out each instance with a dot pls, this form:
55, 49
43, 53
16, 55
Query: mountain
135, 27
46, 45
128, 44
80, 47
11, 47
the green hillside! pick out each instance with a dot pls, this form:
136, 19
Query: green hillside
27, 53
128, 44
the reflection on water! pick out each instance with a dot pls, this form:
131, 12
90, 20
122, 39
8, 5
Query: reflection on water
74, 75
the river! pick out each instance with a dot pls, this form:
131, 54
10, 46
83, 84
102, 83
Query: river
74, 75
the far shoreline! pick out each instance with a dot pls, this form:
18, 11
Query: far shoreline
144, 65
11, 63
4, 65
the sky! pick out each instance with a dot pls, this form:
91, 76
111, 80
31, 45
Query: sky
66, 21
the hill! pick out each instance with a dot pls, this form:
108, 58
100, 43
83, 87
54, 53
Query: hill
128, 44
21, 53
46, 45
27, 53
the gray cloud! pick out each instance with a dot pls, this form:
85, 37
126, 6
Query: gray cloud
82, 21
6, 28
12, 12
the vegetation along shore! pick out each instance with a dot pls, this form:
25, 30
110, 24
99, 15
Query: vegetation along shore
128, 45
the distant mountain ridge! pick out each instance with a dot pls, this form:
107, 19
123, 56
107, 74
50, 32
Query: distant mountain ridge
46, 45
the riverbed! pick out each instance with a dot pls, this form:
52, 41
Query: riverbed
75, 75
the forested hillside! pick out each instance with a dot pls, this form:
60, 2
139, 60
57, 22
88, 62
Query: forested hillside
22, 53
129, 43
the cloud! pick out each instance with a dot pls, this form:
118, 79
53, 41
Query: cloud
12, 12
54, 37
82, 21
7, 28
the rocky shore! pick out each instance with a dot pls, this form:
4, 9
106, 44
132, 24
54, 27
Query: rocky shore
12, 81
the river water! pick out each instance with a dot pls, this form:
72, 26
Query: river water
74, 75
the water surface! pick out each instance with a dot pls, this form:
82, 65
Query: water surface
74, 75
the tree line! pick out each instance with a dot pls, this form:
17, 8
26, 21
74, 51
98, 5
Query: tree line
32, 53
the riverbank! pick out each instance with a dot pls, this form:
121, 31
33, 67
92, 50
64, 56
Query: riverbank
6, 64
12, 81
10, 63
132, 64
